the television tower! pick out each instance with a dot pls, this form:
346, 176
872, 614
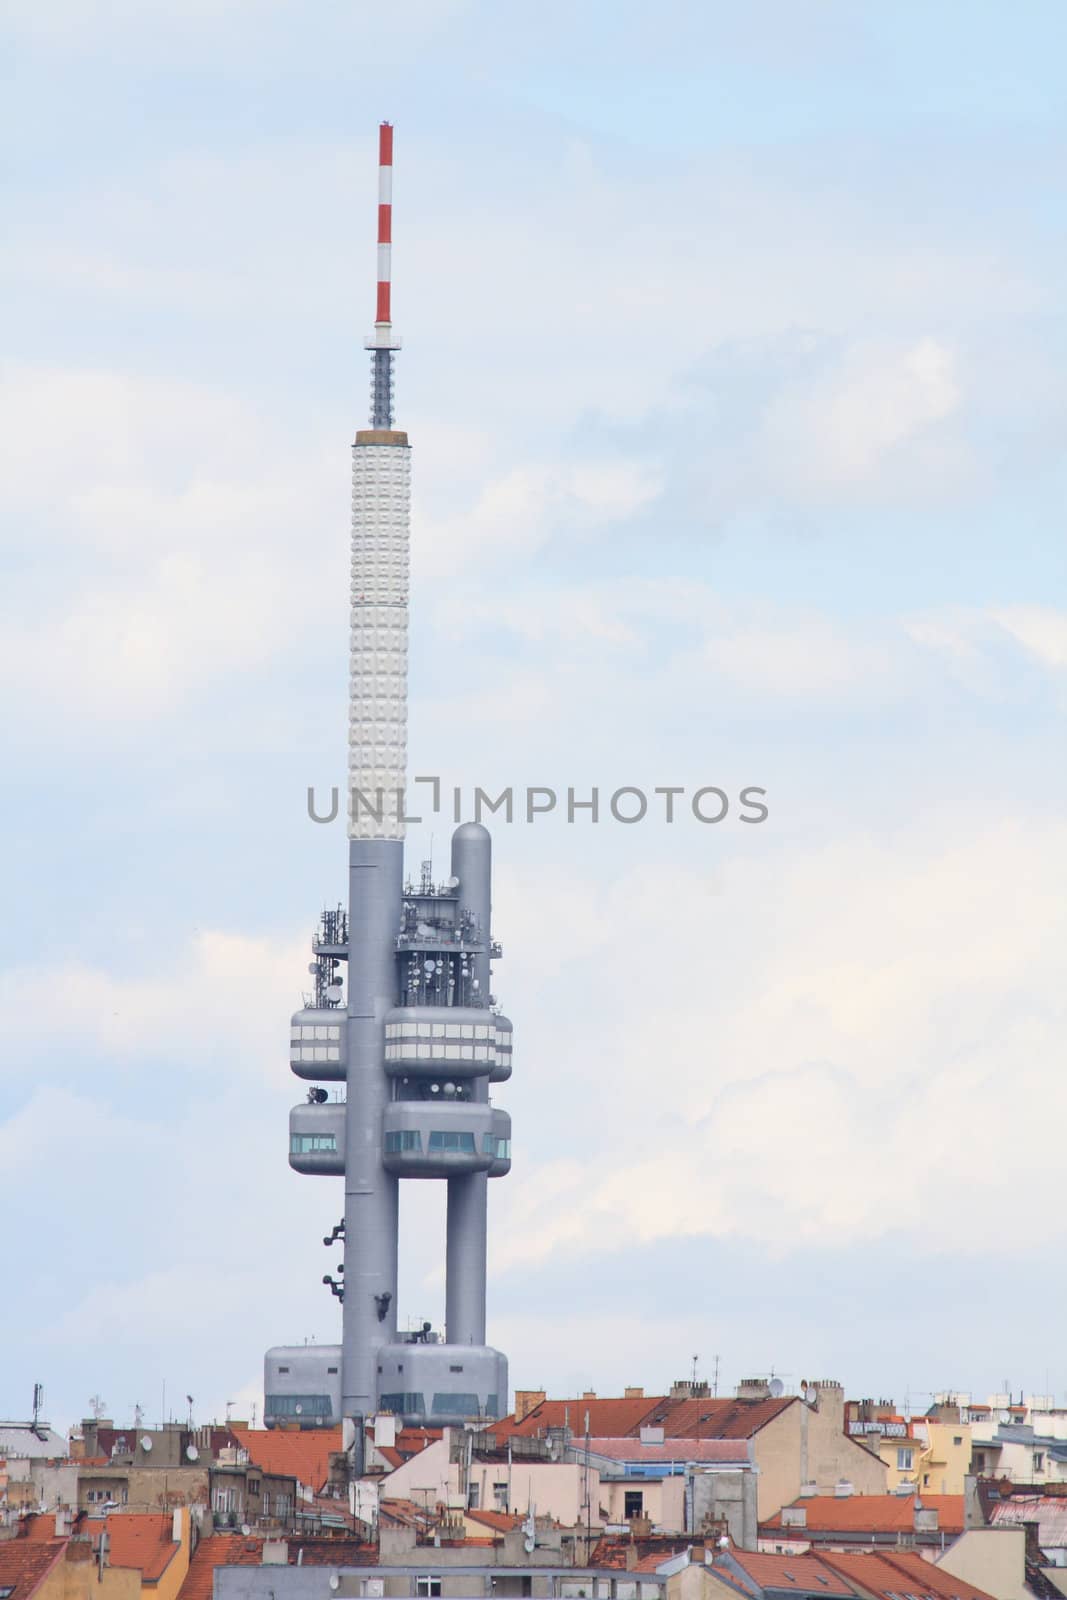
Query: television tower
419, 1038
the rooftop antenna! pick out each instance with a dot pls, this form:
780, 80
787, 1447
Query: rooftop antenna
715, 1379
695, 1360
97, 1406
383, 342
38, 1405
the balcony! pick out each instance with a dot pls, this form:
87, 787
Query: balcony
424, 1139
460, 1042
317, 1139
317, 1047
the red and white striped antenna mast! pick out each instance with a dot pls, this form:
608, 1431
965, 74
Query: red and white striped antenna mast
383, 342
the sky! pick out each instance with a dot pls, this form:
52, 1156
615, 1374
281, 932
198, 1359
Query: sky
734, 370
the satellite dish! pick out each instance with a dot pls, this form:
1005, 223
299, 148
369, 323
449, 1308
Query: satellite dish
451, 883
245, 1529
191, 1453
313, 967
146, 1441
335, 1582
429, 966
777, 1388
299, 1409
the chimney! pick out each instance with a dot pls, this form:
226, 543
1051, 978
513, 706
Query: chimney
830, 1400
527, 1400
633, 1394
926, 1518
753, 1389
275, 1553
589, 1394
385, 1430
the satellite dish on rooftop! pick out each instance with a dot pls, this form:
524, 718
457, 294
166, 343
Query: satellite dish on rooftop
192, 1453
245, 1529
451, 883
777, 1388
146, 1441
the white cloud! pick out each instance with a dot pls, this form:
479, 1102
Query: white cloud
1041, 631
868, 411
517, 513
972, 641
814, 1045
224, 1004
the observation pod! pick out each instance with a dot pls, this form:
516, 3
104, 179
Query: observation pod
443, 1137
447, 1041
317, 1138
317, 1044
302, 1386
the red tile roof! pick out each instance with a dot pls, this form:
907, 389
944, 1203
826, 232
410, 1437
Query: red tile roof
501, 1521
137, 1539
869, 1513
902, 1572
218, 1550
37, 1526
304, 1454
715, 1419
789, 1572
613, 1552
237, 1550
607, 1418
24, 1563
411, 1440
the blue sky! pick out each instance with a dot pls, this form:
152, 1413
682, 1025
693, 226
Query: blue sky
734, 367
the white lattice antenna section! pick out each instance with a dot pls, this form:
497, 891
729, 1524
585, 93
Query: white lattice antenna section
378, 661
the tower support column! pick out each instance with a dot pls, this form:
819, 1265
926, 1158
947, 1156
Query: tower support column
376, 873
465, 1250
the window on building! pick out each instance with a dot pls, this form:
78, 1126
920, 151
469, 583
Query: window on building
455, 1403
904, 1460
452, 1141
403, 1402
979, 1461
406, 1139
957, 1439
633, 1503
298, 1405
331, 1369
301, 1143
500, 1496
254, 1485
1039, 1461
472, 1497
426, 1587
